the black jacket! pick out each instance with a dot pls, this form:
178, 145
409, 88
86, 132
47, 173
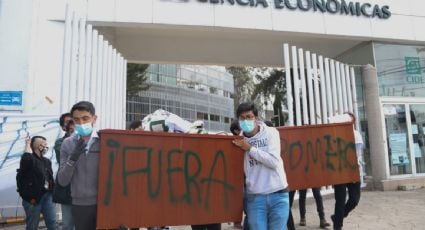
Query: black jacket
36, 177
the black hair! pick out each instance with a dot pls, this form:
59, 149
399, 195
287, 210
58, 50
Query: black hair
135, 124
353, 117
84, 106
234, 126
62, 118
246, 107
33, 140
269, 123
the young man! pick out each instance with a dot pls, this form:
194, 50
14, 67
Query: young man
136, 125
343, 208
62, 195
319, 205
36, 184
79, 166
266, 185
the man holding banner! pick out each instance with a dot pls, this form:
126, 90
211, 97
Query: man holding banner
343, 207
266, 185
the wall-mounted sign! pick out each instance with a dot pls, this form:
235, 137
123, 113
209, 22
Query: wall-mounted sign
414, 70
10, 100
413, 65
342, 7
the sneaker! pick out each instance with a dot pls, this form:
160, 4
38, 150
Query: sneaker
303, 222
324, 223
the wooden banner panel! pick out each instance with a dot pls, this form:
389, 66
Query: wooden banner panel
156, 179
319, 155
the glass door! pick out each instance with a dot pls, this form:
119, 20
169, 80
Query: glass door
397, 139
417, 118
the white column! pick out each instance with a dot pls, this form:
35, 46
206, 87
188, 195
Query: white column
344, 88
303, 86
100, 72
339, 88
355, 104
349, 92
104, 80
328, 89
88, 64
81, 60
108, 102
289, 98
124, 107
74, 62
334, 89
318, 114
94, 65
296, 86
323, 91
121, 100
113, 91
66, 63
310, 88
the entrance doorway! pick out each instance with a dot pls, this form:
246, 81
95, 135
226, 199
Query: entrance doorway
404, 129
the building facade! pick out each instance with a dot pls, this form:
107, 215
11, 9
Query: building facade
387, 35
189, 91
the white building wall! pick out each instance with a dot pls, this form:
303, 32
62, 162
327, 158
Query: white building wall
406, 22
15, 44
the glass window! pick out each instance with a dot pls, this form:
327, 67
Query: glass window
397, 139
401, 70
417, 117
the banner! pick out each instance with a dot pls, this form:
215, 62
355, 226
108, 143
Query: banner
319, 155
156, 179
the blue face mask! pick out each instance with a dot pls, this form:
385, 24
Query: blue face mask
247, 125
84, 129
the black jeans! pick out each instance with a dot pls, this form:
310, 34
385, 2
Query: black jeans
342, 209
317, 197
290, 225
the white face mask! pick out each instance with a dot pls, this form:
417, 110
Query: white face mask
84, 129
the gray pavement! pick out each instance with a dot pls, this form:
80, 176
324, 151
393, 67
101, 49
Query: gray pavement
377, 210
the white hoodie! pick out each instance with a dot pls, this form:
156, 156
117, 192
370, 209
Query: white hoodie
263, 164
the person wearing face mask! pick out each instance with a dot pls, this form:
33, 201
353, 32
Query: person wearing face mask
35, 184
62, 195
79, 165
265, 178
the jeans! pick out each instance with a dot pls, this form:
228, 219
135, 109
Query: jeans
317, 197
268, 211
46, 207
342, 209
67, 219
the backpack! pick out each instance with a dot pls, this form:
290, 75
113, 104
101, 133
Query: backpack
20, 182
25, 185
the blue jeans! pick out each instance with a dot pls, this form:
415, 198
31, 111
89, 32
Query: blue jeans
268, 212
67, 219
46, 207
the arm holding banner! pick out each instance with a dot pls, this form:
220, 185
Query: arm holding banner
271, 158
66, 167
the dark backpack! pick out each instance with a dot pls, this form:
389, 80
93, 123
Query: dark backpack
26, 187
23, 185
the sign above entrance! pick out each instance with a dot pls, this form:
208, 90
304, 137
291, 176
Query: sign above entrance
342, 7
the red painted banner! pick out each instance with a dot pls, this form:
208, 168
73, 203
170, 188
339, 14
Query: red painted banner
319, 155
156, 179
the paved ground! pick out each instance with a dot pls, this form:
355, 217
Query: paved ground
377, 210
